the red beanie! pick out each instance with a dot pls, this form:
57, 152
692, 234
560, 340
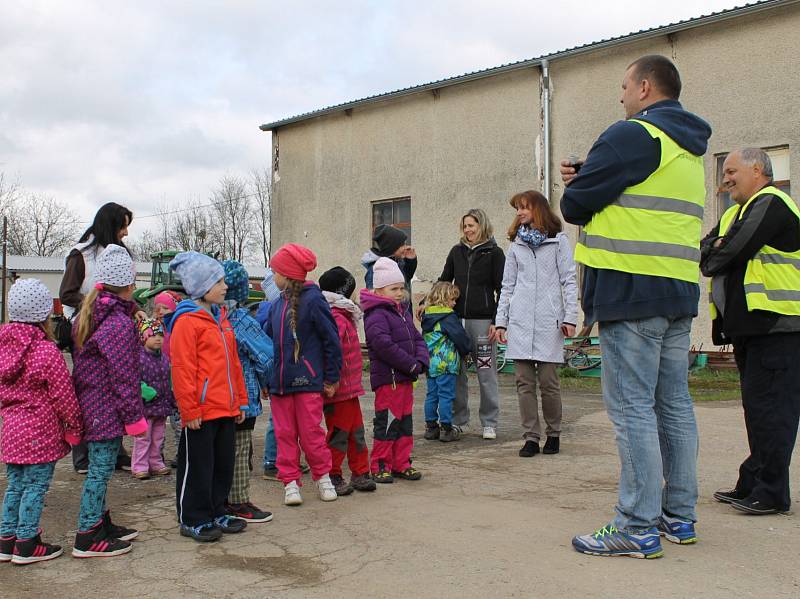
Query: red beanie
293, 261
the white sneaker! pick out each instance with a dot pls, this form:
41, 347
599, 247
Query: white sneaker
292, 496
327, 492
489, 433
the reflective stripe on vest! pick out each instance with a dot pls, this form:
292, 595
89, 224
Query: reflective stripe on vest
653, 228
772, 277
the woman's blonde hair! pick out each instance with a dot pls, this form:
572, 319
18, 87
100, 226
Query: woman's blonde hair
86, 313
441, 294
485, 230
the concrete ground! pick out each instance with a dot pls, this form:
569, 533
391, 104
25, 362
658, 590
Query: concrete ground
482, 522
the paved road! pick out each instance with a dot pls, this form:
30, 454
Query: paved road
482, 522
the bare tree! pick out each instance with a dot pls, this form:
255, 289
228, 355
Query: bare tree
51, 226
261, 191
233, 217
192, 229
143, 247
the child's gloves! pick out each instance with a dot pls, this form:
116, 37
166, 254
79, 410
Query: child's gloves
148, 393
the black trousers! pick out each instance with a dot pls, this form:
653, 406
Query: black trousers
769, 370
205, 471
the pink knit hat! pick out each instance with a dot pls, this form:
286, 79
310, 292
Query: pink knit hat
168, 299
385, 272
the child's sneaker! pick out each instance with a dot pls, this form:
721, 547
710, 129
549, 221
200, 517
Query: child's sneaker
205, 533
489, 433
7, 548
115, 531
143, 475
165, 471
449, 433
676, 530
409, 473
382, 476
96, 542
431, 430
28, 551
230, 525
327, 492
270, 472
341, 485
363, 483
292, 494
610, 541
247, 512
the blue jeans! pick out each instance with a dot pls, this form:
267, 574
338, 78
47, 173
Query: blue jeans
102, 460
646, 392
270, 444
440, 397
24, 500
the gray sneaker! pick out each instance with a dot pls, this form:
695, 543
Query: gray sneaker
449, 433
341, 485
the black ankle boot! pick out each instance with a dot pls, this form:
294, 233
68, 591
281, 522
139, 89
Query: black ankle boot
551, 445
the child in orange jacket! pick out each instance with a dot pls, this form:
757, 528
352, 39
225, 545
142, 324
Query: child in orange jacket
210, 393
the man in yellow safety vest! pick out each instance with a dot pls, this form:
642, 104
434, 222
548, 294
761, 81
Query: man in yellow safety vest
639, 197
753, 257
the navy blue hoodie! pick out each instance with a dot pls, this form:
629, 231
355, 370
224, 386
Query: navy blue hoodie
625, 155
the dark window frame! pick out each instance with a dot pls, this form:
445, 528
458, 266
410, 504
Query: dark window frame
395, 222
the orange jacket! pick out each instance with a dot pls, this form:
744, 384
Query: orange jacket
206, 373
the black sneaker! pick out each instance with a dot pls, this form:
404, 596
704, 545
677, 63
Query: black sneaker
118, 532
270, 472
363, 483
728, 496
230, 525
95, 542
530, 449
7, 548
341, 485
754, 507
247, 512
409, 473
432, 430
29, 551
123, 462
552, 445
449, 433
205, 533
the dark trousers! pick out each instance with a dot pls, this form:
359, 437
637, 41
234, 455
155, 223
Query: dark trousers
80, 455
205, 471
770, 379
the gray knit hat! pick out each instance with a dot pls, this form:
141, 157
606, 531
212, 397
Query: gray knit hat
29, 300
114, 266
198, 272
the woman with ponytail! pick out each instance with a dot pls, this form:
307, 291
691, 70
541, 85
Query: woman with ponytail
308, 358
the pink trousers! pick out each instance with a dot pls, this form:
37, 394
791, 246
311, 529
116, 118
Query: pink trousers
298, 417
147, 450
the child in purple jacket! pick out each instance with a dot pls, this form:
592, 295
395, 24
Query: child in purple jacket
397, 356
107, 383
157, 399
41, 419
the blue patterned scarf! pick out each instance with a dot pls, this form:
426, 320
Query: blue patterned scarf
533, 237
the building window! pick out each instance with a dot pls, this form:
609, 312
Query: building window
779, 156
395, 212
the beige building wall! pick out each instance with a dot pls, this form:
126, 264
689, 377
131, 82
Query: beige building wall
477, 143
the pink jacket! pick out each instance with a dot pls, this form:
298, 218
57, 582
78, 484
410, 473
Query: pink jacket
347, 314
37, 400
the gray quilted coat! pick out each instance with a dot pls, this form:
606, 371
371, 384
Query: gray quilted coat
539, 294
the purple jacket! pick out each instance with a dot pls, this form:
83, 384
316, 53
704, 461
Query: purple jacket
397, 351
105, 372
155, 372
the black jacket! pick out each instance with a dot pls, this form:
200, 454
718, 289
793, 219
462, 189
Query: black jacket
478, 274
767, 221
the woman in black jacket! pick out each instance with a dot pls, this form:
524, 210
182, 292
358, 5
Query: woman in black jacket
476, 265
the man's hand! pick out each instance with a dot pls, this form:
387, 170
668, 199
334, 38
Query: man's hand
568, 172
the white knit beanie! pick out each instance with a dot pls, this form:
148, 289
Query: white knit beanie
114, 266
29, 300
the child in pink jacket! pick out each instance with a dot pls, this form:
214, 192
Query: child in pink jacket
41, 419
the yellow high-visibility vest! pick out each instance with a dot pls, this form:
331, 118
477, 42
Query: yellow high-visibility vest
772, 277
654, 227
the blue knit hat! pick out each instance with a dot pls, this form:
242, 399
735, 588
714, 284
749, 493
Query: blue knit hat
237, 280
198, 272
269, 287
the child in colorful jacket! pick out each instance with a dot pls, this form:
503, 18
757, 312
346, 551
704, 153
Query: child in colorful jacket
397, 356
447, 342
41, 419
342, 410
108, 386
255, 354
158, 401
209, 389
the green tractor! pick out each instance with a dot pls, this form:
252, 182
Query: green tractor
163, 279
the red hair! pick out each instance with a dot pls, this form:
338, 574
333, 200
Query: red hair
543, 218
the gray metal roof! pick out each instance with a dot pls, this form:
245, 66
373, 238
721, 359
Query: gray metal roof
723, 15
43, 264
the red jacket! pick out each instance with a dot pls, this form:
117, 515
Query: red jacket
347, 314
206, 373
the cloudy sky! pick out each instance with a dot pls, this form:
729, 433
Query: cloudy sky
149, 103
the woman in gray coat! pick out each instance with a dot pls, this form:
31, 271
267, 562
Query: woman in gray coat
537, 309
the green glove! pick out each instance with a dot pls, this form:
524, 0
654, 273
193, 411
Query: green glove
148, 393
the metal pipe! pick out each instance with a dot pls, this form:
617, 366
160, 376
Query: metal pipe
546, 126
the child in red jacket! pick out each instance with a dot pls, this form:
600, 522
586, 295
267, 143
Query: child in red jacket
343, 411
